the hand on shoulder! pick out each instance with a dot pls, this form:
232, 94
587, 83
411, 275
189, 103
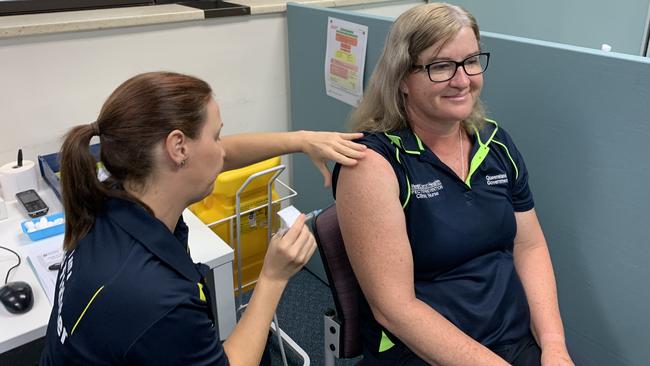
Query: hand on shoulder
334, 146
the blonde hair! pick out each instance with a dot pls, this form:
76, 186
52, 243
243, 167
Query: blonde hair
382, 108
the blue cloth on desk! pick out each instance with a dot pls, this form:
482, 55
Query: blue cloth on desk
130, 294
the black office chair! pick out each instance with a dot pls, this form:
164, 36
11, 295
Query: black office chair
342, 334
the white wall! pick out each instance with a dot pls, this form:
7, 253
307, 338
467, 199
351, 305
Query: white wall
50, 83
391, 9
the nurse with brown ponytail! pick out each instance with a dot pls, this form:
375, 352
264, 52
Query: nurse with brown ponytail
128, 292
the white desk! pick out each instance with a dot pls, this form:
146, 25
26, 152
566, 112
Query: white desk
16, 330
208, 248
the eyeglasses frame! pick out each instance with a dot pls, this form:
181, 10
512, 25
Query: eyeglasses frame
458, 64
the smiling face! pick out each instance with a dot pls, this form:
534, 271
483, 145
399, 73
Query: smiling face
207, 153
443, 103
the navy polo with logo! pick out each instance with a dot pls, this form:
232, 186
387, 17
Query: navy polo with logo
129, 294
461, 236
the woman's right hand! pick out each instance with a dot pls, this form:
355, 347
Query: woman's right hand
289, 252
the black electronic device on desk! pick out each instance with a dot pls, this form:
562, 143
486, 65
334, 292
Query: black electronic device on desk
32, 203
17, 297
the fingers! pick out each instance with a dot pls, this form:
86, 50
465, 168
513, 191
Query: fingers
295, 229
351, 144
307, 250
297, 235
343, 152
334, 146
303, 239
279, 235
351, 135
348, 152
342, 159
288, 253
354, 145
305, 246
327, 176
352, 149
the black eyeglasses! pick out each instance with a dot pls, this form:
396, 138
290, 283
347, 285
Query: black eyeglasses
440, 71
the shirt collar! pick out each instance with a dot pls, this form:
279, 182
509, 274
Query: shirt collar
486, 134
410, 143
171, 248
406, 140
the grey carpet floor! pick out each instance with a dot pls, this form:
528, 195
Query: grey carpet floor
300, 315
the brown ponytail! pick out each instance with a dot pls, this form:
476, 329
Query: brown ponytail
137, 116
81, 190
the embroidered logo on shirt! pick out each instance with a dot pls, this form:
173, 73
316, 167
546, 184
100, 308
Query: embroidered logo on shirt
427, 190
496, 179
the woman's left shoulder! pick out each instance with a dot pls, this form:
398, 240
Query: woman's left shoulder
497, 133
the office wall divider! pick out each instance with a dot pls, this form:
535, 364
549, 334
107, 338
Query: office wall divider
581, 118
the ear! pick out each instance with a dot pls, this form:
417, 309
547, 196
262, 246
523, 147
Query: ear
403, 87
176, 148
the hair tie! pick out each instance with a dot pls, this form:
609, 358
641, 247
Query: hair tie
95, 128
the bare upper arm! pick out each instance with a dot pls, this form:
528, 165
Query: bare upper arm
374, 230
529, 231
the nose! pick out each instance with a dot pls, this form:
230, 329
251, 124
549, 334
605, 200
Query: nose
460, 79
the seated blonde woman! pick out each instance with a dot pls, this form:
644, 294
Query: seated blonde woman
438, 219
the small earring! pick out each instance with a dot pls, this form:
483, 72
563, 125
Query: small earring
182, 164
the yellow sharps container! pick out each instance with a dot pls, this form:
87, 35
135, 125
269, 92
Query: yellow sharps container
220, 204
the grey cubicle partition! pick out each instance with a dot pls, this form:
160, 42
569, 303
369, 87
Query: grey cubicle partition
311, 108
587, 23
582, 120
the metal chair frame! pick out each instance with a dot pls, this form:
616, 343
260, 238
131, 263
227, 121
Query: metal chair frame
235, 220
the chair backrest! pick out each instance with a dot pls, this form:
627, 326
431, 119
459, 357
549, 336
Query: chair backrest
343, 284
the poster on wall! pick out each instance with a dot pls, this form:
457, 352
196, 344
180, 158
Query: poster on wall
345, 59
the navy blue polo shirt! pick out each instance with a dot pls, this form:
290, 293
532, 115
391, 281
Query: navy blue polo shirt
461, 234
129, 293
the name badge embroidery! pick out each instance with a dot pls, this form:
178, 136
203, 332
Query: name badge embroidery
496, 179
427, 190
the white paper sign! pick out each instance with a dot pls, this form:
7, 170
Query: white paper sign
345, 60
